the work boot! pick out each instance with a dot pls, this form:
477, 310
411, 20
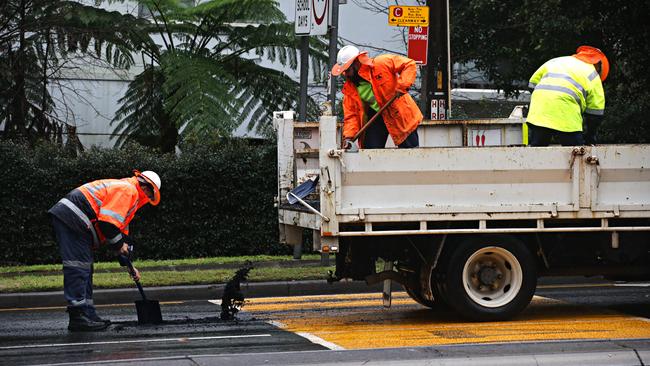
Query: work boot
80, 322
91, 313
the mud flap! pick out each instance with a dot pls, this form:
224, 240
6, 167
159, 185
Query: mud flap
387, 293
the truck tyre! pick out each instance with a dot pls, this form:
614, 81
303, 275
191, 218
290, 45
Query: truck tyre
415, 291
437, 304
416, 295
490, 278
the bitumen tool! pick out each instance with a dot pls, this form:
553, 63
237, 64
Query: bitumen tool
371, 121
297, 194
302, 190
148, 310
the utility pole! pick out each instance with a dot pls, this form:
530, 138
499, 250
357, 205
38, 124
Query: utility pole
332, 51
436, 75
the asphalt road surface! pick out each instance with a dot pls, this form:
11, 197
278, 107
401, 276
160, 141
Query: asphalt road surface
562, 318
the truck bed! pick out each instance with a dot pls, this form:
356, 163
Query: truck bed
478, 189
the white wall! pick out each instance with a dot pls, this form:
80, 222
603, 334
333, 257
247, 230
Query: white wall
90, 108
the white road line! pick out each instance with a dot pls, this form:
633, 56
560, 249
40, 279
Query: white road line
318, 340
633, 284
310, 337
121, 360
185, 339
278, 324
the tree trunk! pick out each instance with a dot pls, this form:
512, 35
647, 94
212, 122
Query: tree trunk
168, 135
17, 119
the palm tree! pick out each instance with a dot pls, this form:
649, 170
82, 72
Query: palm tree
206, 77
37, 40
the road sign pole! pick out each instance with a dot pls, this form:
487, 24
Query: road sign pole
332, 51
304, 75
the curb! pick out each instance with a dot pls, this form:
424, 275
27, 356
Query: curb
604, 358
211, 292
196, 292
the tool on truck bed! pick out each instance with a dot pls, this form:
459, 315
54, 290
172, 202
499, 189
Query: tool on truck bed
303, 190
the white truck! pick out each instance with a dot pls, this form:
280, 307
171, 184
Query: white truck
470, 219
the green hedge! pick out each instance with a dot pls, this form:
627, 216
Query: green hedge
216, 201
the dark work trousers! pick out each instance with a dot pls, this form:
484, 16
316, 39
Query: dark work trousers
377, 134
541, 136
77, 254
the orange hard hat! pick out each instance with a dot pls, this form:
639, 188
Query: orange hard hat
593, 56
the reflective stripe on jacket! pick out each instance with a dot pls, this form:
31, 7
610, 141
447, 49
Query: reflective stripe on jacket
564, 89
115, 201
387, 74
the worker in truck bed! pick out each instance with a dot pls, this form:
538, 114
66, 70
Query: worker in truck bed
370, 84
94, 213
565, 88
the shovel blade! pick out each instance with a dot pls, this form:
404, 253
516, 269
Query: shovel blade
302, 190
148, 312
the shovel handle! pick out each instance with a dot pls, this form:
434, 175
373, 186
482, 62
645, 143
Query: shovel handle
365, 127
137, 283
129, 265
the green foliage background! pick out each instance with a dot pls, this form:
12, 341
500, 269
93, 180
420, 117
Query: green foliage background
510, 39
216, 200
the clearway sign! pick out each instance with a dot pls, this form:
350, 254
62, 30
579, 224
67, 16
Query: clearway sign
408, 16
312, 17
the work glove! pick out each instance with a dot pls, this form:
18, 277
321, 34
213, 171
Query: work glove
125, 261
124, 254
126, 249
350, 146
135, 274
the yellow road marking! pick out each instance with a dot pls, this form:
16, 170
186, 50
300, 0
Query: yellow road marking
588, 285
360, 321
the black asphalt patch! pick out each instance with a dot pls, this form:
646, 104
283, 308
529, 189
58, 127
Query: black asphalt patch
40, 337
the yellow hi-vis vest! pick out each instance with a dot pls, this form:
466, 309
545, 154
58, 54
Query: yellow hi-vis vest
565, 88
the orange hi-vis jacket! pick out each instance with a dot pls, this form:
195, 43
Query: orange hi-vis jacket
114, 201
387, 75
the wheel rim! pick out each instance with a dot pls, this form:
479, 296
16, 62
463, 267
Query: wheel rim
492, 277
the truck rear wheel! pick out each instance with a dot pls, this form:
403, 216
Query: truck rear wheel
490, 278
419, 282
416, 295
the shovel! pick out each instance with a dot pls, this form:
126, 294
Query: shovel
372, 120
148, 310
302, 190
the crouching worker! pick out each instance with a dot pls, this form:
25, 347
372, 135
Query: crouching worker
369, 85
96, 213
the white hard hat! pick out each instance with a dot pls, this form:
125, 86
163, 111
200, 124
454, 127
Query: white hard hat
153, 179
346, 57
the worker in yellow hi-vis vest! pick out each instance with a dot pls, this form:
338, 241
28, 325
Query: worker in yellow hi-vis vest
566, 89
